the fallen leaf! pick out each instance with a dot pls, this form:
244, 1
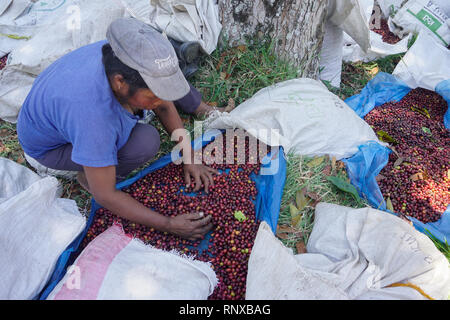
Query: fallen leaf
223, 75
300, 199
293, 210
3, 132
416, 176
344, 186
296, 220
239, 215
398, 162
283, 236
427, 131
333, 163
389, 205
374, 71
327, 170
301, 248
212, 104
231, 105
20, 160
315, 162
422, 111
385, 137
280, 234
314, 195
379, 177
286, 228
340, 165
242, 48
425, 175
395, 151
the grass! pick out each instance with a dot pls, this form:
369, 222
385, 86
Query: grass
303, 174
238, 73
356, 75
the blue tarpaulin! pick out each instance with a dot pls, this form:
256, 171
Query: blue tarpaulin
269, 183
365, 165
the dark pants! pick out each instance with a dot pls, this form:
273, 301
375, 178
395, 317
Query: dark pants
142, 145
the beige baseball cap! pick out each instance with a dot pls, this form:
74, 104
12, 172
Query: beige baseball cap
146, 50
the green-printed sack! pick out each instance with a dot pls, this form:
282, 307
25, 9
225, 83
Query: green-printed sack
417, 15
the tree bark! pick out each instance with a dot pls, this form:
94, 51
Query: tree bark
296, 26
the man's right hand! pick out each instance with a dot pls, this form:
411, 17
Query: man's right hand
192, 226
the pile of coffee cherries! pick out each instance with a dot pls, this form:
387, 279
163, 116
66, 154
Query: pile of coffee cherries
417, 176
230, 202
386, 35
3, 62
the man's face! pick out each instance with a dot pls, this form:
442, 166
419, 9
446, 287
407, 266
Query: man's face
144, 99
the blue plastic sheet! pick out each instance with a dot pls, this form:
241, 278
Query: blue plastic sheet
269, 183
443, 88
365, 165
362, 169
383, 88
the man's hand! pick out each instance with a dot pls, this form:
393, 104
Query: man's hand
201, 174
191, 226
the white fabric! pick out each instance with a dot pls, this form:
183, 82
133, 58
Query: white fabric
137, 271
188, 20
86, 22
80, 23
351, 16
139, 9
10, 10
331, 54
344, 17
302, 116
444, 5
14, 88
35, 228
390, 7
348, 38
4, 5
425, 65
24, 18
352, 52
351, 254
421, 15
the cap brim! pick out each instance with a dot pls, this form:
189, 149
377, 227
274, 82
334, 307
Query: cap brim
169, 88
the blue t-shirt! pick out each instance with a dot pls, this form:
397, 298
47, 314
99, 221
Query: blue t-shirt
72, 102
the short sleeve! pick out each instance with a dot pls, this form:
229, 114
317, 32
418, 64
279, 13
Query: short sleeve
94, 141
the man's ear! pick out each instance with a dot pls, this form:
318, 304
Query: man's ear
118, 82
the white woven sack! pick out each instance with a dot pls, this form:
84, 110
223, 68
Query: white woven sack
358, 254
421, 15
86, 22
114, 266
188, 20
35, 228
425, 65
300, 115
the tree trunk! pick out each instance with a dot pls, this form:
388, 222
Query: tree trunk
297, 27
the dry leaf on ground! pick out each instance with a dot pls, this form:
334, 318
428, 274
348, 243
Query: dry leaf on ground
301, 248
